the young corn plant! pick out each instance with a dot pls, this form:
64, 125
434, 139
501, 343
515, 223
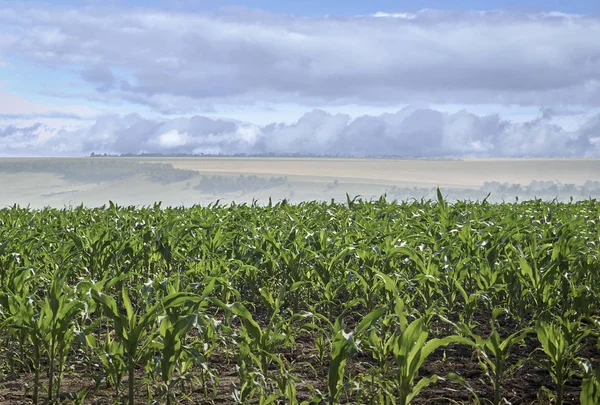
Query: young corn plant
24, 316
342, 347
561, 341
50, 327
407, 343
15, 287
258, 351
111, 353
57, 321
494, 353
136, 331
410, 350
174, 325
171, 332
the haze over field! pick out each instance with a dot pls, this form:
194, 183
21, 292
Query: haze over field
60, 182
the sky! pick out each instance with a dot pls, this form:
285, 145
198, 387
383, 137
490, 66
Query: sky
431, 78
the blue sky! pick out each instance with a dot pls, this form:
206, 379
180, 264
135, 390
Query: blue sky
352, 7
522, 79
315, 7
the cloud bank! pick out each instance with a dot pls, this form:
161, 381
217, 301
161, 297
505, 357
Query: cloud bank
168, 63
175, 62
408, 132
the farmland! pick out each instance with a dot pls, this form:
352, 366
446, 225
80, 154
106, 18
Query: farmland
60, 182
357, 301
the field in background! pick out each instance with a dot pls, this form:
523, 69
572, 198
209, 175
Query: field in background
470, 173
59, 182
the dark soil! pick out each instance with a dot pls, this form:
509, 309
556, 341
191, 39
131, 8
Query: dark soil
523, 386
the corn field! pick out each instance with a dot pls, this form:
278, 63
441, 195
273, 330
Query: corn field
361, 302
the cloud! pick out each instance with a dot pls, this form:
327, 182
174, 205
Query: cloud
410, 132
174, 61
100, 75
172, 139
15, 141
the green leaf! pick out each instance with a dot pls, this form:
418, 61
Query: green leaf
590, 388
369, 320
423, 383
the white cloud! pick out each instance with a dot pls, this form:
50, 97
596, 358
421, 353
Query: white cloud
412, 131
407, 16
174, 62
27, 140
248, 133
172, 139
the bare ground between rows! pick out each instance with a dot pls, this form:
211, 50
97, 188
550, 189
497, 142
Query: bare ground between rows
523, 386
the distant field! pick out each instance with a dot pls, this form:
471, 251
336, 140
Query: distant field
464, 173
59, 182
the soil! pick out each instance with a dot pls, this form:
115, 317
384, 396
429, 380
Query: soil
528, 383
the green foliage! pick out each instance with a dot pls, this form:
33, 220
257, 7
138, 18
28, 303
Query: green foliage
315, 302
561, 341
